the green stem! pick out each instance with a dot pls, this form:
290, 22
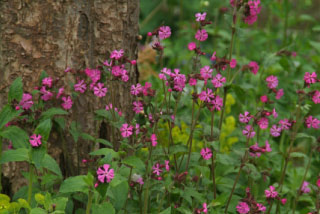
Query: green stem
0, 165
303, 179
30, 183
286, 11
146, 193
90, 197
129, 180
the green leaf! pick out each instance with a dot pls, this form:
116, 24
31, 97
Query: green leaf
37, 155
18, 136
178, 149
298, 155
15, 155
49, 163
134, 161
86, 136
105, 152
315, 45
38, 211
166, 211
75, 131
60, 203
106, 207
44, 129
74, 184
120, 194
52, 112
7, 114
16, 90
103, 141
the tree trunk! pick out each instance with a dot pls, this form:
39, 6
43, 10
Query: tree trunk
52, 35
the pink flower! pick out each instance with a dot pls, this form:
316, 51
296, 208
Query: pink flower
204, 208
206, 153
245, 118
192, 46
137, 107
192, 82
216, 103
126, 130
243, 208
47, 82
35, 140
310, 78
275, 131
272, 81
283, 201
218, 81
318, 183
93, 74
254, 67
274, 113
105, 173
305, 187
99, 91
60, 92
206, 96
232, 3
264, 98
312, 122
271, 193
200, 16
263, 123
268, 147
261, 207
166, 163
233, 63
206, 72
137, 129
116, 54
213, 57
316, 97
156, 169
107, 63
67, 102
146, 87
26, 101
67, 70
80, 86
279, 94
164, 32
46, 95
136, 89
285, 124
248, 131
153, 139
201, 35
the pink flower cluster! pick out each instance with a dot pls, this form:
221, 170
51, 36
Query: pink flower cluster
178, 80
312, 122
256, 151
252, 11
157, 169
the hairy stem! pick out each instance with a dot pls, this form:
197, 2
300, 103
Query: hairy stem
30, 183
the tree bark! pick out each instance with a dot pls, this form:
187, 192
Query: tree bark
52, 35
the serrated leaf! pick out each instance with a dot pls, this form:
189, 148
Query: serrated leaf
74, 184
15, 155
18, 137
16, 90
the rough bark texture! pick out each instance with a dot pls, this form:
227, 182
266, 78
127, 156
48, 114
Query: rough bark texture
51, 35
